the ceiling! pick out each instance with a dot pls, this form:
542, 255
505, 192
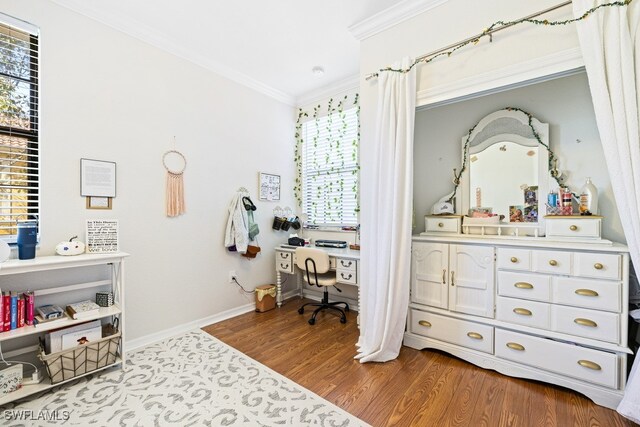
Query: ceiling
271, 46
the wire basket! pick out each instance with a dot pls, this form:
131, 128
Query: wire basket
559, 210
80, 360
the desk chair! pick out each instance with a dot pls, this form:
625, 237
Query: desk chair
315, 266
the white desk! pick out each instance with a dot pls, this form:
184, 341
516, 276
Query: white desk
344, 261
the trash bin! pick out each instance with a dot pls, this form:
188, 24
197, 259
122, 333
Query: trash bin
265, 298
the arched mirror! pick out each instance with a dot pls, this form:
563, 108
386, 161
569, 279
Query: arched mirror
505, 172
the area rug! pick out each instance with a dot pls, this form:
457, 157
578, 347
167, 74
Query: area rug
189, 380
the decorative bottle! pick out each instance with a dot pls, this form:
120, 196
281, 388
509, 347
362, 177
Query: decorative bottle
589, 198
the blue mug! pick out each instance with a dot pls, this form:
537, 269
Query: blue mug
27, 239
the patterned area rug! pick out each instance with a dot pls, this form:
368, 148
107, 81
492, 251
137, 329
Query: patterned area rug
189, 380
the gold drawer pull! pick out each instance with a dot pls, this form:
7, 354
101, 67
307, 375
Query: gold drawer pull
523, 285
598, 266
424, 323
586, 292
514, 259
440, 224
589, 364
515, 346
573, 228
586, 322
553, 262
474, 335
444, 277
522, 311
452, 278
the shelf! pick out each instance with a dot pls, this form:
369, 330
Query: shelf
28, 390
53, 262
30, 330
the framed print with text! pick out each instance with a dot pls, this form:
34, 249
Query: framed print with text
97, 178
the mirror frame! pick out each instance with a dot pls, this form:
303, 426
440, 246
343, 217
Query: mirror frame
539, 137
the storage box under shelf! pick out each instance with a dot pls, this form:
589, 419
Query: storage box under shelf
80, 360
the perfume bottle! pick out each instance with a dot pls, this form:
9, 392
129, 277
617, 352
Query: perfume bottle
589, 198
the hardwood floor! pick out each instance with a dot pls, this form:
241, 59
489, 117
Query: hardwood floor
420, 388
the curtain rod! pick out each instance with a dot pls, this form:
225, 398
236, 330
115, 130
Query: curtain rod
476, 37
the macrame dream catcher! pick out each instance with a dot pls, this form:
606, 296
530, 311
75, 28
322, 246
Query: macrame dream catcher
175, 184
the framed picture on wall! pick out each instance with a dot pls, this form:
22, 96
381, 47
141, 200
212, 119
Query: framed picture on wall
97, 178
269, 186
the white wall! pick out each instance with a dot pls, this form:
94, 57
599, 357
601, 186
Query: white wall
108, 96
564, 103
521, 53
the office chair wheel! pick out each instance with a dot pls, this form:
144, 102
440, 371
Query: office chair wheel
301, 310
312, 321
343, 320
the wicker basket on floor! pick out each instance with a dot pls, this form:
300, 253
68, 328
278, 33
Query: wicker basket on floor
76, 361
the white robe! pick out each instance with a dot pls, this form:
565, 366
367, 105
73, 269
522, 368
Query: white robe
237, 232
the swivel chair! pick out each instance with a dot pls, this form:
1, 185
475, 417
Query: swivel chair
315, 266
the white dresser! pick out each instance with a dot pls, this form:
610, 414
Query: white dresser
550, 311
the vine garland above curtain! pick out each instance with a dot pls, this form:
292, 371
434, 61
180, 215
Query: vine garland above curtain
332, 133
503, 24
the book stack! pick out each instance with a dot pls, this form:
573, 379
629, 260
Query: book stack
16, 310
49, 315
83, 309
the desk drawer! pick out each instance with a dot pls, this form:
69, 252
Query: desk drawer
346, 264
582, 227
455, 331
442, 224
554, 262
348, 277
585, 364
284, 266
599, 266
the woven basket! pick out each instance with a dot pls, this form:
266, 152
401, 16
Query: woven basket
559, 210
82, 359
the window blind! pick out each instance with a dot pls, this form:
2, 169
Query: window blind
19, 159
330, 169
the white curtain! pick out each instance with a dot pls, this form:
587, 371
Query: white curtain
387, 220
609, 43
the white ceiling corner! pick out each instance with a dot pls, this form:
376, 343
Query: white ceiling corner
392, 16
146, 34
331, 90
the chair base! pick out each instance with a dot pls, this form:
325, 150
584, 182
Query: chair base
325, 305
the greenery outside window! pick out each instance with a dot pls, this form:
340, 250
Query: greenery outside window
19, 93
327, 163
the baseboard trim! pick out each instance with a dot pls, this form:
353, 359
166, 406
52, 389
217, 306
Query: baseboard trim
185, 327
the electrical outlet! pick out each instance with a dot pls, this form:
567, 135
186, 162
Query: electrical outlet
232, 276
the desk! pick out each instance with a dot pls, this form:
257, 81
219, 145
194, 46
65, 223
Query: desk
345, 262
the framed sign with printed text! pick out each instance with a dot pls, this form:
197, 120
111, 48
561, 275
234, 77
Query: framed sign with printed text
102, 236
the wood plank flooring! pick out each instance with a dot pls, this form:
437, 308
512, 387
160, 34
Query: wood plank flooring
420, 388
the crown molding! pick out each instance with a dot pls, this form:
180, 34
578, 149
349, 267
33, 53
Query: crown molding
566, 62
331, 90
391, 16
146, 34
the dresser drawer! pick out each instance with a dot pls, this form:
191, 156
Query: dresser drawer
442, 224
597, 325
554, 262
599, 266
528, 313
585, 364
284, 266
524, 285
455, 331
346, 264
514, 259
596, 294
348, 277
586, 228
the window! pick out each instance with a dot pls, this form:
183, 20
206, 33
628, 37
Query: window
328, 166
19, 160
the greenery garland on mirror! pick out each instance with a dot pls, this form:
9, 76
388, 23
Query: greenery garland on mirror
487, 33
334, 136
552, 157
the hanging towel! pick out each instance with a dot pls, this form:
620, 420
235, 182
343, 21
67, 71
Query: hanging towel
237, 232
253, 227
